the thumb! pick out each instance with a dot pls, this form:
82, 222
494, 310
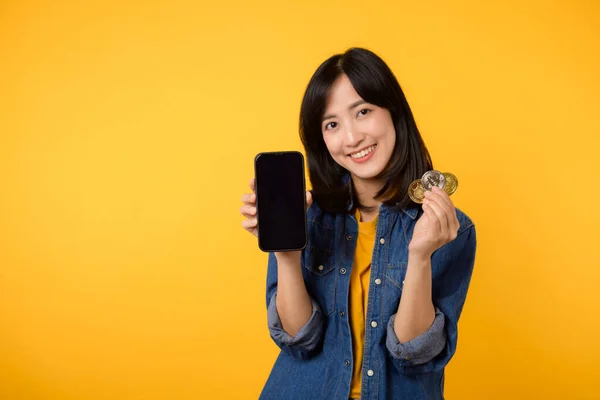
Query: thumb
308, 198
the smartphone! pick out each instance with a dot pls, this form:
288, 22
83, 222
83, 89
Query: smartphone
280, 201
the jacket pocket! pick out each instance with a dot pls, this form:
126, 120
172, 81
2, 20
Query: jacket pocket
319, 265
395, 274
394, 281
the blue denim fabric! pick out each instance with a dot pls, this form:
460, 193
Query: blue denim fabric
317, 363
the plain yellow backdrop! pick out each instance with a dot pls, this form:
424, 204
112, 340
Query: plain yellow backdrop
127, 136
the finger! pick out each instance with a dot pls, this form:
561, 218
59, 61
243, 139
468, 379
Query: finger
249, 224
249, 199
449, 210
309, 199
253, 185
248, 211
433, 220
442, 193
441, 216
452, 218
438, 197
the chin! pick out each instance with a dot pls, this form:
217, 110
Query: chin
366, 175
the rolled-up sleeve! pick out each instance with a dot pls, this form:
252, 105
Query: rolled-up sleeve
421, 349
308, 339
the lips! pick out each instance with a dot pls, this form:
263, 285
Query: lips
363, 152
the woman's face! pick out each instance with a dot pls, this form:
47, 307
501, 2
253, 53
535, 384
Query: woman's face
359, 136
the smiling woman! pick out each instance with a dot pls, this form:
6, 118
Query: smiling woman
380, 258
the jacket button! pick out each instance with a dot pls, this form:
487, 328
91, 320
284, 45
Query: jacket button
320, 268
347, 362
374, 324
378, 281
343, 271
342, 313
382, 241
349, 237
370, 372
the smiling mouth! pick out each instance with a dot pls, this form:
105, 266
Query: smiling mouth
363, 153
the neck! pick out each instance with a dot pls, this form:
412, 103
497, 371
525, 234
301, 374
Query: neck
365, 192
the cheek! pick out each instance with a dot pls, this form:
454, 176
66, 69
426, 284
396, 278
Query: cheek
332, 145
389, 135
384, 127
392, 139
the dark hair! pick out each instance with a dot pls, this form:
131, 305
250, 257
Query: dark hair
376, 84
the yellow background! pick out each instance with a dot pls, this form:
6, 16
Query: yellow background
127, 136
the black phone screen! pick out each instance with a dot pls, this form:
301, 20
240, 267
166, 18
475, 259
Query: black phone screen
280, 201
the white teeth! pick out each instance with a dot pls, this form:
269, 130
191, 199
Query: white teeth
363, 153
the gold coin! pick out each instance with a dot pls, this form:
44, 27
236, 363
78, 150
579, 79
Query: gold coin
451, 183
416, 191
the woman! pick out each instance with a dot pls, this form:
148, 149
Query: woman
370, 308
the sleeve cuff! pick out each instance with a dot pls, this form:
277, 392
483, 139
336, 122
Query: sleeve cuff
421, 349
307, 337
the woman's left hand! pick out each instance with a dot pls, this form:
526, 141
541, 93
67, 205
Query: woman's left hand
437, 226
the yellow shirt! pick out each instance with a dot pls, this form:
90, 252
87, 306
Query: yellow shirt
359, 291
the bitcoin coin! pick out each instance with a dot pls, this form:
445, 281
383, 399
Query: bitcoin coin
451, 183
433, 178
416, 191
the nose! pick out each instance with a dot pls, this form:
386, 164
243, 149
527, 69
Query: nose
353, 135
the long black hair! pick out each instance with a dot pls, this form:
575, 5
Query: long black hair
376, 84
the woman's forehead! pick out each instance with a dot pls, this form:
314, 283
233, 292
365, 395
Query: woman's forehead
342, 96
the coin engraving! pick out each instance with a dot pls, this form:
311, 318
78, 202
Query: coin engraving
433, 178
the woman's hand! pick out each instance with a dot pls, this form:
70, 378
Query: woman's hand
436, 227
248, 210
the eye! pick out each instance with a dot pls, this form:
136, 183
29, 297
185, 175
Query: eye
364, 111
330, 125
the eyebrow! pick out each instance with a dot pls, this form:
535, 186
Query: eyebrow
353, 105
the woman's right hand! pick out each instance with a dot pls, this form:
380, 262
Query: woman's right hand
248, 210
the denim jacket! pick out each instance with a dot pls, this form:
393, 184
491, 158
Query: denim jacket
317, 363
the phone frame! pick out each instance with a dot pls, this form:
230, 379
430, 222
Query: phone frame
256, 185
